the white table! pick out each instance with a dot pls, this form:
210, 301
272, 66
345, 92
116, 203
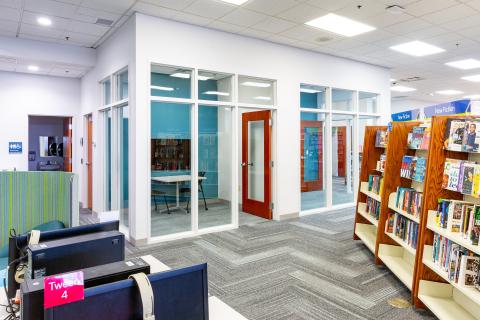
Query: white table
217, 309
177, 180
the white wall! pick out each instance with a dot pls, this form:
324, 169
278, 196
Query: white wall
24, 94
114, 54
178, 44
399, 105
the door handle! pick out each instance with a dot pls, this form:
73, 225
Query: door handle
302, 158
244, 164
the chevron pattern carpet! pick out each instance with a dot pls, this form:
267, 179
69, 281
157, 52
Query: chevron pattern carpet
306, 268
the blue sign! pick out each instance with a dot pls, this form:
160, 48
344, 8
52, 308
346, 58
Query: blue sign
406, 115
14, 147
454, 107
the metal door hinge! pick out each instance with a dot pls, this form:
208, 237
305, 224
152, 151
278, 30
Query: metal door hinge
271, 205
271, 163
270, 122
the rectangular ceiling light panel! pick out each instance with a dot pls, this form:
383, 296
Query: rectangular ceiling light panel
340, 25
402, 89
235, 2
474, 78
417, 48
466, 64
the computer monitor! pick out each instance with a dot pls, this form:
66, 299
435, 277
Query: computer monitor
180, 294
18, 243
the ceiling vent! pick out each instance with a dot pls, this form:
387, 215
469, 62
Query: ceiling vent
395, 9
412, 79
104, 22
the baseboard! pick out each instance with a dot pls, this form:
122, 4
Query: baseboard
138, 242
288, 216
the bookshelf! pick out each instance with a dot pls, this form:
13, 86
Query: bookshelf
365, 227
432, 287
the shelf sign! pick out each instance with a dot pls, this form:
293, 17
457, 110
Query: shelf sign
14, 147
455, 107
63, 289
406, 115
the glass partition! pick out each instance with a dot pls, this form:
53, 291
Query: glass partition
313, 97
342, 100
107, 136
170, 168
312, 161
171, 82
123, 125
215, 86
107, 92
214, 166
342, 165
256, 91
367, 102
122, 85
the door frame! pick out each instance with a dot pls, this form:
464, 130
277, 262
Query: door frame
321, 165
86, 144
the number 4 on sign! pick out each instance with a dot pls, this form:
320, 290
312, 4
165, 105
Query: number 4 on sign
65, 294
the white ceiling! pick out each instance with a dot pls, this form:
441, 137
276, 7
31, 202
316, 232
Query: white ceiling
454, 25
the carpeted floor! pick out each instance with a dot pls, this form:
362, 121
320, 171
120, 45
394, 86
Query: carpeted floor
306, 268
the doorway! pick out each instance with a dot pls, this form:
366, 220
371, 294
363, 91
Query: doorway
89, 157
50, 143
256, 163
311, 151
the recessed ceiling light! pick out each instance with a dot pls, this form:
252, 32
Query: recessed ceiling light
203, 78
473, 78
392, 80
417, 48
305, 90
449, 92
217, 93
181, 75
466, 64
235, 2
340, 25
402, 89
473, 97
33, 68
263, 98
44, 21
256, 84
162, 88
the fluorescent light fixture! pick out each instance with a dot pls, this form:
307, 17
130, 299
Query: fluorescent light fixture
44, 21
466, 64
417, 48
256, 84
162, 88
182, 75
235, 2
449, 92
402, 89
263, 98
473, 78
340, 25
392, 80
33, 68
203, 78
217, 93
305, 90
473, 97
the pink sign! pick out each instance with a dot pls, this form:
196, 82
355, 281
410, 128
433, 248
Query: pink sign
62, 289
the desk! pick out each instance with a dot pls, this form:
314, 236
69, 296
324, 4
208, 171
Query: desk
177, 180
217, 309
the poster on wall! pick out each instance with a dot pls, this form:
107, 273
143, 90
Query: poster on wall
15, 147
406, 115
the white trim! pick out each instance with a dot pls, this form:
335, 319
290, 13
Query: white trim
326, 209
224, 227
216, 103
329, 149
171, 100
256, 106
312, 110
373, 115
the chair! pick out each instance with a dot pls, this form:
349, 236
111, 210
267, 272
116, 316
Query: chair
183, 190
157, 193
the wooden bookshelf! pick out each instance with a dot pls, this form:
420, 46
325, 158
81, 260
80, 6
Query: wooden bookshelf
365, 227
431, 286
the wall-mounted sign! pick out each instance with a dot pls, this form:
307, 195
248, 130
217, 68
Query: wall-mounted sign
454, 107
406, 115
15, 147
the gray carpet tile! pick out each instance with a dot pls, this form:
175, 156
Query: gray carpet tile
299, 269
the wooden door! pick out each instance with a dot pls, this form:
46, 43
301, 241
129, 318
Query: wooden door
311, 150
67, 144
89, 162
342, 150
256, 164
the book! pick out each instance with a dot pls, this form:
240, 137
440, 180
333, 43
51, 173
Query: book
454, 223
426, 138
451, 174
406, 167
467, 172
455, 128
419, 171
381, 139
475, 232
471, 136
468, 270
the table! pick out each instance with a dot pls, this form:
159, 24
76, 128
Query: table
177, 180
217, 309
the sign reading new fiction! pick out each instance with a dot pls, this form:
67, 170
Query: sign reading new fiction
449, 108
406, 115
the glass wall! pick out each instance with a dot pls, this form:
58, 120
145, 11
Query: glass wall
215, 86
215, 139
312, 160
367, 102
363, 121
107, 92
313, 97
171, 82
122, 118
342, 164
256, 91
170, 168
122, 85
342, 100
